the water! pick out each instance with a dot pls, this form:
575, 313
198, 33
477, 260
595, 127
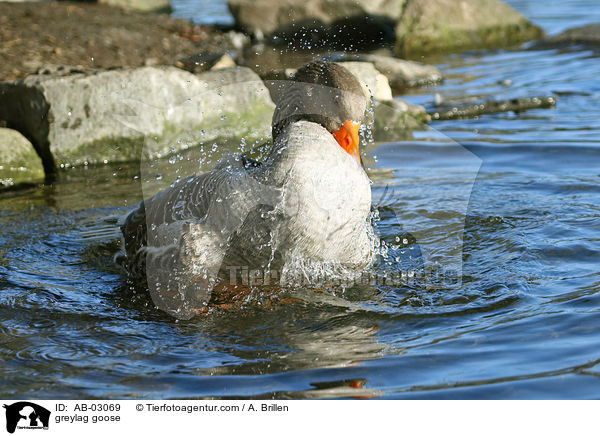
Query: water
524, 323
203, 11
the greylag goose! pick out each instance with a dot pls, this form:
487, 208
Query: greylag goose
303, 212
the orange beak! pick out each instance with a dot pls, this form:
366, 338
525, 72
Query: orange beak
347, 137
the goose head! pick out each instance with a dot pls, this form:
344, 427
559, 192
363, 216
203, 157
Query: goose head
327, 94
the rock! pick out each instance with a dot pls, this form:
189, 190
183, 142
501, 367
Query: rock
585, 35
265, 60
452, 26
62, 70
396, 119
19, 161
401, 73
492, 107
339, 22
140, 5
107, 116
284, 74
206, 62
225, 61
237, 40
376, 85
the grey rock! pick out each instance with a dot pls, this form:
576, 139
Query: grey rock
19, 161
140, 5
585, 35
206, 61
129, 114
396, 119
283, 17
492, 107
401, 73
451, 26
404, 73
374, 83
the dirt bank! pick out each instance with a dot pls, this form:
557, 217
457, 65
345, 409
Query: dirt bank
96, 36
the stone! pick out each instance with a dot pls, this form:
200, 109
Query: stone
401, 73
452, 26
140, 5
134, 113
374, 83
225, 61
19, 161
327, 21
206, 62
585, 35
396, 119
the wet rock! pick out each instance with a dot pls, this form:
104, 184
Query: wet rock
140, 5
492, 107
62, 70
127, 114
451, 26
334, 23
396, 119
376, 85
401, 73
206, 61
585, 35
19, 161
224, 61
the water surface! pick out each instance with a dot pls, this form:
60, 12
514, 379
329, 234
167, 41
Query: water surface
523, 323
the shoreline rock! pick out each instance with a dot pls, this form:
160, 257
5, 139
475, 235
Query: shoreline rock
19, 161
588, 35
129, 114
401, 73
445, 26
140, 5
344, 23
492, 107
375, 84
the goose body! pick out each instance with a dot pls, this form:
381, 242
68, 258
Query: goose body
305, 208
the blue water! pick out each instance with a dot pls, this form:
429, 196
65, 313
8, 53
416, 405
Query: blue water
512, 199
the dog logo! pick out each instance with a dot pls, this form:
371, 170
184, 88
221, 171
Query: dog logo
26, 415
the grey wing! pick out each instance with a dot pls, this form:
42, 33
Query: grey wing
177, 240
